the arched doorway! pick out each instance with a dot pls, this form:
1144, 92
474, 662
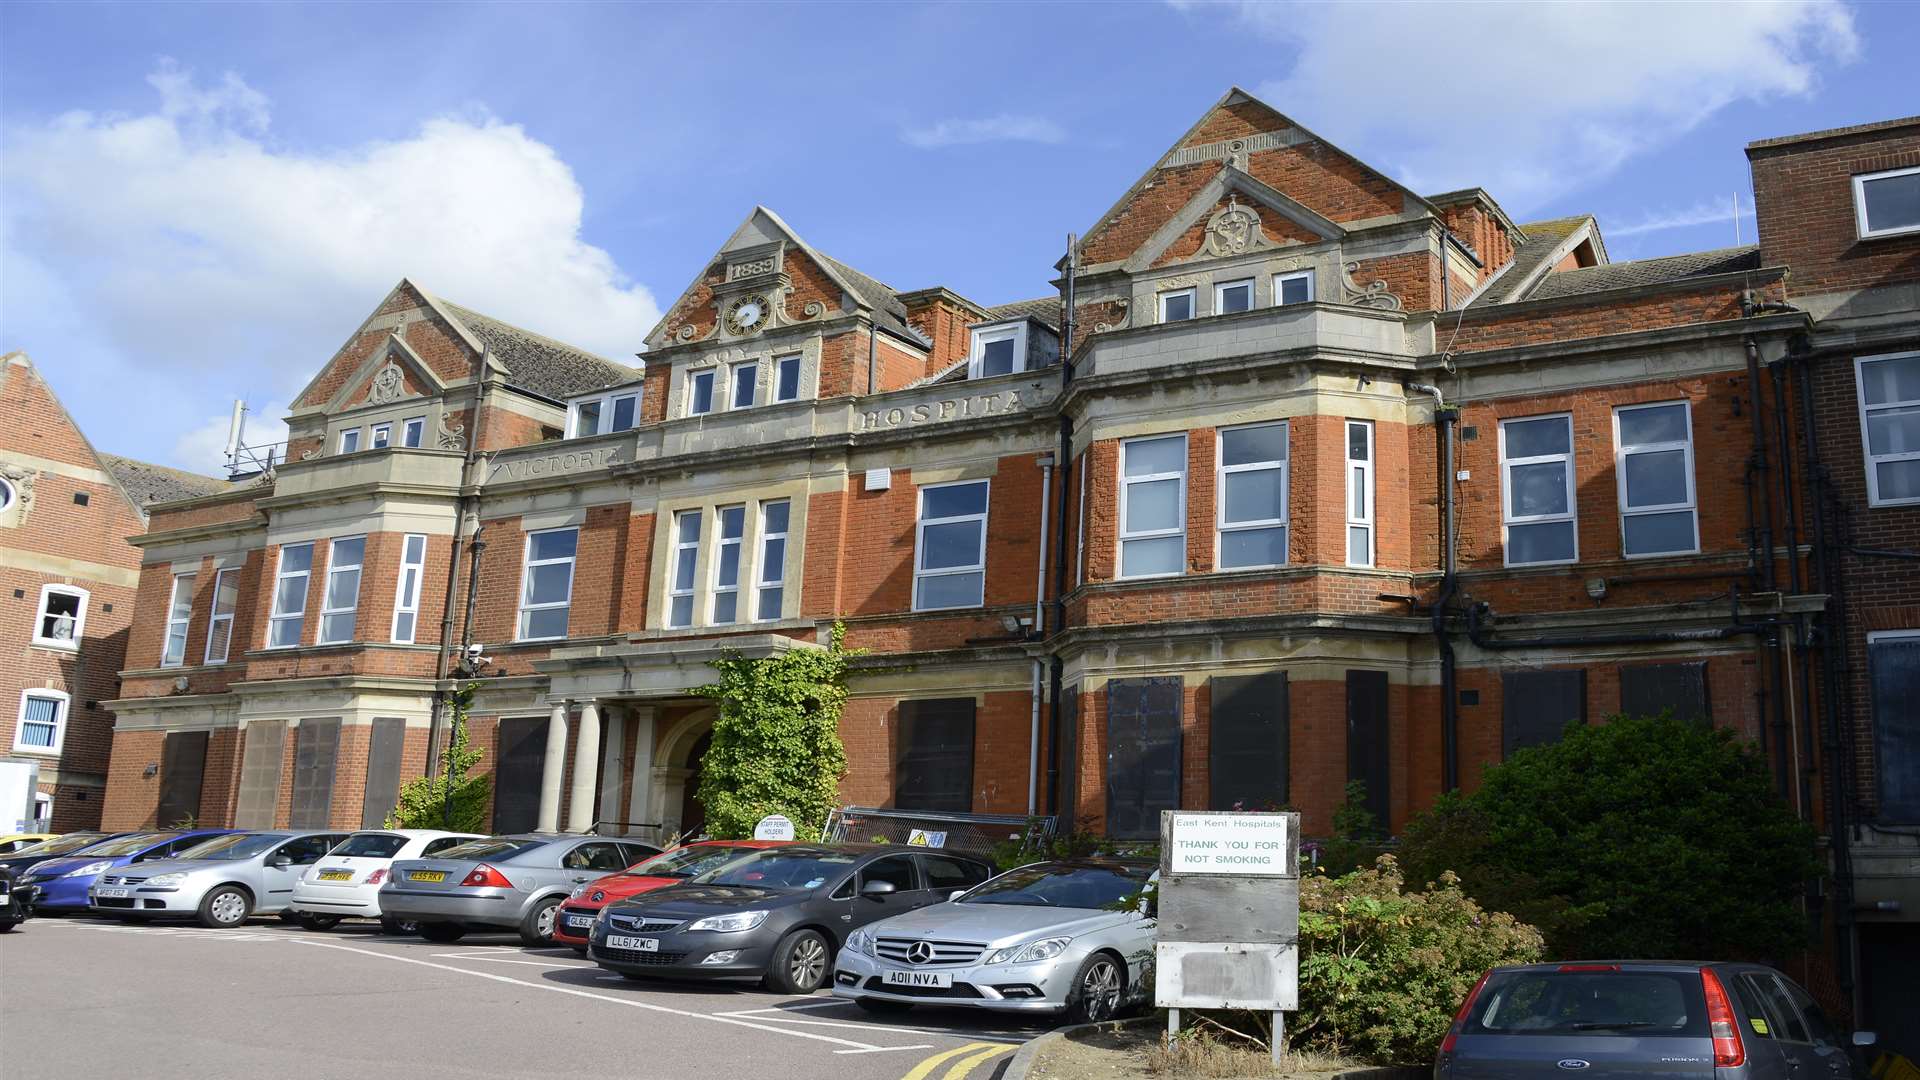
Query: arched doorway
676, 777
693, 815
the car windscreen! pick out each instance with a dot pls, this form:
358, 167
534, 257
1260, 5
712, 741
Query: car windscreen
128, 845
60, 845
232, 846
1061, 885
370, 845
688, 862
1600, 1001
493, 847
774, 868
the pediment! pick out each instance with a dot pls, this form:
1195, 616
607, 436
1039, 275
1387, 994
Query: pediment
392, 372
1233, 228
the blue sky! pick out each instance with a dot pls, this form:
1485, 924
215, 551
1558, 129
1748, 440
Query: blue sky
199, 202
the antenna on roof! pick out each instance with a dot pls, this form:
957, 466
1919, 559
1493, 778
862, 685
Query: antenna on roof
1736, 219
236, 427
243, 460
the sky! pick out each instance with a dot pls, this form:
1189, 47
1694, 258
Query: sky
201, 202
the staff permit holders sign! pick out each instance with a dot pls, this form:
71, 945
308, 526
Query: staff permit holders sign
774, 827
1228, 931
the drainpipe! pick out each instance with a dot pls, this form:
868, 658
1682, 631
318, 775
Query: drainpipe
1760, 489
1033, 744
1039, 624
873, 356
1065, 459
442, 660
1446, 416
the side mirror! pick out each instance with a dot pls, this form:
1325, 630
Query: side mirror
280, 862
1864, 1039
877, 889
955, 895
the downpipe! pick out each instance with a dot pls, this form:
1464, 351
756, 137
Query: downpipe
1760, 490
1446, 416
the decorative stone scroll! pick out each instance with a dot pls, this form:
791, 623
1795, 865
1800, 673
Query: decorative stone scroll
389, 385
452, 436
1373, 294
1234, 230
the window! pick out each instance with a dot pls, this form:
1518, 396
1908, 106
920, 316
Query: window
546, 587
382, 436
1295, 288
406, 590
1233, 296
1893, 667
605, 856
342, 597
1153, 506
773, 560
726, 563
1176, 306
998, 350
786, 378
895, 870
933, 755
226, 599
179, 613
412, 430
1253, 496
1887, 203
349, 440
1359, 493
686, 555
1536, 477
62, 621
6, 493
945, 875
603, 414
950, 546
1889, 391
1537, 706
700, 393
1680, 689
43, 722
745, 378
289, 616
1654, 460
1143, 754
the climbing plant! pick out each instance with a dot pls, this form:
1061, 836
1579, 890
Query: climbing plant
450, 798
776, 739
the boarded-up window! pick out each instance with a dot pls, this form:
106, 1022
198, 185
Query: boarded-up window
389, 739
1368, 742
1651, 689
1143, 754
259, 801
183, 763
1895, 665
516, 792
315, 750
1536, 706
933, 755
1069, 764
1248, 742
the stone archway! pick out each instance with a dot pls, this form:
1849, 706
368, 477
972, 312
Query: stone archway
675, 764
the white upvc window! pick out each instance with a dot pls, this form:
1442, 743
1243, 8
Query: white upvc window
1252, 493
772, 592
1888, 389
686, 559
1360, 501
406, 588
412, 431
382, 436
1153, 506
340, 601
1232, 296
1293, 288
603, 413
286, 623
700, 392
226, 600
1653, 459
746, 380
786, 378
727, 539
349, 440
997, 350
546, 583
60, 622
1536, 483
1887, 203
179, 614
42, 724
1176, 306
950, 546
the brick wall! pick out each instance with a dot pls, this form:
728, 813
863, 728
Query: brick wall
1803, 204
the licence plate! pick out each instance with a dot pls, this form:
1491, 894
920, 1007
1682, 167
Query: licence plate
113, 892
939, 979
583, 922
342, 875
636, 944
426, 875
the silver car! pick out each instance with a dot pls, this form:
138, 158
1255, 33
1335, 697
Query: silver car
1069, 937
221, 882
502, 882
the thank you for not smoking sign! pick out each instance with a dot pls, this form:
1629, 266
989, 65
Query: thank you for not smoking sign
1240, 844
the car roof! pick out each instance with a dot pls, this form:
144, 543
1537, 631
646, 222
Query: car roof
1625, 965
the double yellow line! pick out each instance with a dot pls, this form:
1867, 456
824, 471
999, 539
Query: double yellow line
971, 1056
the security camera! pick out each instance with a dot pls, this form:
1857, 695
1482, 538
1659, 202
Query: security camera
474, 659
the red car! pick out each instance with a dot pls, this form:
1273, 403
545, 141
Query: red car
574, 921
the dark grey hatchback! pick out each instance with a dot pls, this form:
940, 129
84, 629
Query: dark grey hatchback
1643, 1020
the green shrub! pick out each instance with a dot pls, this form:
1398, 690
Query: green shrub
424, 801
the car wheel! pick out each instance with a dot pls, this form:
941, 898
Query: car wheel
442, 933
882, 1005
1096, 992
398, 927
537, 927
319, 922
224, 907
800, 963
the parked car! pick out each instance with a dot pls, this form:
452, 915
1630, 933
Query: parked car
575, 921
72, 843
61, 884
221, 882
1635, 1019
502, 882
12, 842
777, 915
1064, 937
346, 882
13, 907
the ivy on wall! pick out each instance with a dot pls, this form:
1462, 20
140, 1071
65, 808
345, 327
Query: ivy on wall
450, 798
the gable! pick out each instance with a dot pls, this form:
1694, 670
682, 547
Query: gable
1232, 214
392, 371
435, 345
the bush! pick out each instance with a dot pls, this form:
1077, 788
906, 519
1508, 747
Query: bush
1636, 838
425, 802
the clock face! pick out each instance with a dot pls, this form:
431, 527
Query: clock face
747, 313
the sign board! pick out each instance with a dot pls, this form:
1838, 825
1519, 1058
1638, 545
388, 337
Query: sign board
773, 827
1242, 844
1228, 924
926, 838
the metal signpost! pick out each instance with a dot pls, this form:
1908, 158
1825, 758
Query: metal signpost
1229, 918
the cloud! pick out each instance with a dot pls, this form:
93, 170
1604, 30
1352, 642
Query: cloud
1706, 212
1532, 100
203, 449
1006, 127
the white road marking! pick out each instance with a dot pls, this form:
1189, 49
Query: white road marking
887, 1049
504, 960
794, 1007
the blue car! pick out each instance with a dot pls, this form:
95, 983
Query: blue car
61, 884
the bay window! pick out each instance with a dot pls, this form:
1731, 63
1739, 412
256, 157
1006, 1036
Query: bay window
1252, 487
1153, 506
340, 602
406, 588
732, 522
686, 558
1360, 501
773, 559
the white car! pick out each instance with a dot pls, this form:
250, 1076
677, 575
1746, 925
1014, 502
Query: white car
345, 883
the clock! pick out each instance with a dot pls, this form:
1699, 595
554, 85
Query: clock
746, 314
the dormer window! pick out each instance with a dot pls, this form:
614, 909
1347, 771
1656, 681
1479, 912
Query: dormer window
700, 393
1887, 203
1233, 296
1294, 288
603, 414
1176, 306
998, 350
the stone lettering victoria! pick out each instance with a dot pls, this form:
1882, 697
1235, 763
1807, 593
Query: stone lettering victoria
933, 412
573, 461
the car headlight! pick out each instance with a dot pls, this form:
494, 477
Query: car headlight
163, 880
731, 924
90, 868
862, 941
1031, 953
577, 890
